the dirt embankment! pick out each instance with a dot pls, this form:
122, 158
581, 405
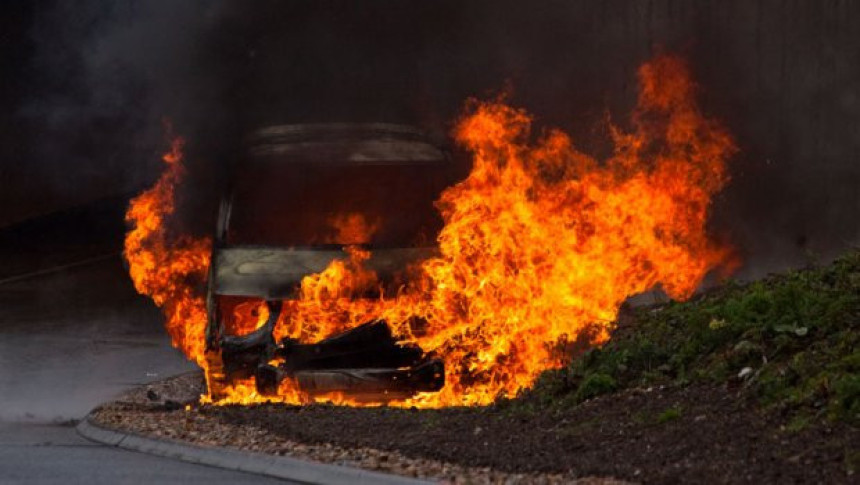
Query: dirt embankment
698, 434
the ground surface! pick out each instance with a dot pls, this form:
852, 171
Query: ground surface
167, 409
49, 453
68, 341
716, 436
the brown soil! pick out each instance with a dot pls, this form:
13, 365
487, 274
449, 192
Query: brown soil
165, 410
668, 435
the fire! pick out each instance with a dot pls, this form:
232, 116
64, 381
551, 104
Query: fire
242, 316
165, 267
541, 245
352, 228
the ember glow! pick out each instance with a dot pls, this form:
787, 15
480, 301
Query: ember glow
541, 245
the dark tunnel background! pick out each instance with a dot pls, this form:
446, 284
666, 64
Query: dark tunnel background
86, 84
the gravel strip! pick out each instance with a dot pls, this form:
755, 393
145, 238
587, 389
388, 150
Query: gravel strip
691, 434
168, 409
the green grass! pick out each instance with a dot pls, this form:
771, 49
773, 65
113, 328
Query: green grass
799, 333
670, 414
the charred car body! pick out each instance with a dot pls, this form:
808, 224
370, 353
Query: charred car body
275, 227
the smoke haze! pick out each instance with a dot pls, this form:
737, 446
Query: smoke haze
94, 79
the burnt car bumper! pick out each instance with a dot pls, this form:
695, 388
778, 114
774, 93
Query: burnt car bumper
365, 363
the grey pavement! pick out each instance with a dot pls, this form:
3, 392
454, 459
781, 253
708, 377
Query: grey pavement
68, 341
49, 453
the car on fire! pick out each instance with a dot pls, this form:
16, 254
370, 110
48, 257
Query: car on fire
300, 199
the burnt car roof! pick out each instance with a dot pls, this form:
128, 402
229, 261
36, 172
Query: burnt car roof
353, 143
325, 131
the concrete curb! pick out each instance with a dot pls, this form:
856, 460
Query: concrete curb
258, 463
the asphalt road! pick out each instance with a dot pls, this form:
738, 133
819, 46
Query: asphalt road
70, 340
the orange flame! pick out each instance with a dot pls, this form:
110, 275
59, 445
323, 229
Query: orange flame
541, 245
166, 268
242, 316
353, 228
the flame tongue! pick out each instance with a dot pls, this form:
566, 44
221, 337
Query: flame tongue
165, 268
541, 241
541, 244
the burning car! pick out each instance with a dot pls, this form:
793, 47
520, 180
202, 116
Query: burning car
321, 283
305, 196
